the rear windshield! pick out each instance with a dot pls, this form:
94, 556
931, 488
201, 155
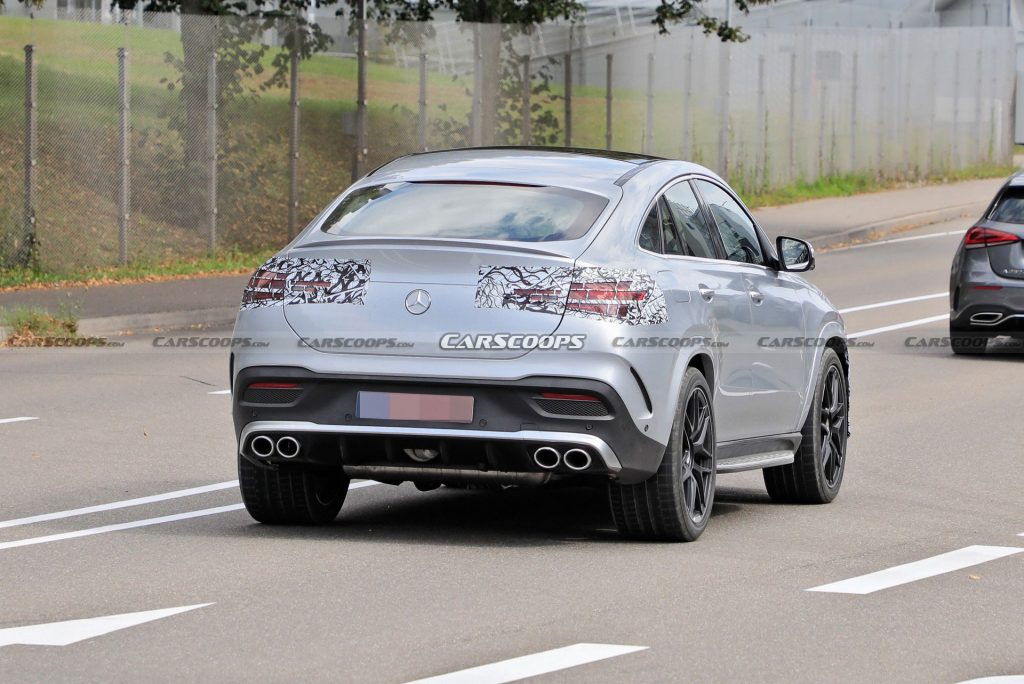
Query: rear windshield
481, 211
1010, 207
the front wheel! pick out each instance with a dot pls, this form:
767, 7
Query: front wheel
291, 494
816, 473
675, 503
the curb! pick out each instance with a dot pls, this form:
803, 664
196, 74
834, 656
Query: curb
874, 231
118, 325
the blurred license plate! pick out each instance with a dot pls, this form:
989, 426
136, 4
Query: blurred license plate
444, 408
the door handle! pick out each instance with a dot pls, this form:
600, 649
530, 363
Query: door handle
756, 296
706, 293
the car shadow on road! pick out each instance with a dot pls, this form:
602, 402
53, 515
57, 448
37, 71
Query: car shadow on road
515, 517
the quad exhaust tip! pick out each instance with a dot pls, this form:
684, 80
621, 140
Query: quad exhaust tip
576, 459
287, 447
547, 457
262, 446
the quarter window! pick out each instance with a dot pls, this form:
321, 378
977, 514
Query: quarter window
737, 230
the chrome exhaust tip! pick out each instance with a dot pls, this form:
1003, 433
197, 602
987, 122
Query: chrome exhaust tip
986, 318
262, 446
577, 459
547, 458
287, 447
421, 455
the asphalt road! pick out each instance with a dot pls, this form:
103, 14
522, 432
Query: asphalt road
408, 585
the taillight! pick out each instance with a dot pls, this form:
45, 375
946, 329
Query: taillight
265, 285
611, 298
988, 237
274, 385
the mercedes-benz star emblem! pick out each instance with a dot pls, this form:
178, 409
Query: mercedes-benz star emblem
417, 301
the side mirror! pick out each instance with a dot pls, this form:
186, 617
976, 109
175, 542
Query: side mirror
794, 255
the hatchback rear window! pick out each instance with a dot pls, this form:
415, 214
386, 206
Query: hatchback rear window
1010, 207
480, 211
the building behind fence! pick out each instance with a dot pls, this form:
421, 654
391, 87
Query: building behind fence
112, 155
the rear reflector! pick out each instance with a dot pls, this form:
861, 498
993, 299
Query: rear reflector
274, 385
988, 287
571, 397
988, 237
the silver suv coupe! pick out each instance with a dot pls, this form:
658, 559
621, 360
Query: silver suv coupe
520, 316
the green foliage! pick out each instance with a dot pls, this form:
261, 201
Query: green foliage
23, 321
676, 11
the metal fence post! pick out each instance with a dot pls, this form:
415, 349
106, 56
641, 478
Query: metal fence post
359, 166
211, 150
476, 114
526, 133
568, 95
724, 69
793, 174
422, 129
853, 113
762, 123
24, 247
608, 101
293, 141
686, 146
649, 120
978, 92
124, 197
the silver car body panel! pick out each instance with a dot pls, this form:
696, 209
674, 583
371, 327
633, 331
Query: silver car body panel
758, 390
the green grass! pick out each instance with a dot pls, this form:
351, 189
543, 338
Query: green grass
26, 322
846, 186
224, 262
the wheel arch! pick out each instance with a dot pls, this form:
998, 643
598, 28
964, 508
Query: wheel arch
835, 339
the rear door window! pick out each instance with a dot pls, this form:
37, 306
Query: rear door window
1010, 207
689, 221
650, 234
466, 210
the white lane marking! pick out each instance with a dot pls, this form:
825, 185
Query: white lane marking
896, 240
139, 523
16, 420
126, 503
999, 679
220, 392
898, 326
532, 665
73, 631
918, 570
893, 302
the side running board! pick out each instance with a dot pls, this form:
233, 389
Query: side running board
767, 459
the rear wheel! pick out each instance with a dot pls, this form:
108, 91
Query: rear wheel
675, 503
817, 470
291, 494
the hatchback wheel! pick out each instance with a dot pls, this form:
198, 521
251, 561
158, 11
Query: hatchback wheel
291, 494
675, 503
817, 469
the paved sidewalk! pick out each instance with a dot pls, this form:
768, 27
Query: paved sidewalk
105, 309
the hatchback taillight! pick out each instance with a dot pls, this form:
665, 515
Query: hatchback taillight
988, 237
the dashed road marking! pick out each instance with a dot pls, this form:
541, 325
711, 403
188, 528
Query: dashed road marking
73, 631
126, 503
20, 419
998, 679
918, 570
898, 326
893, 302
896, 240
227, 391
117, 527
533, 665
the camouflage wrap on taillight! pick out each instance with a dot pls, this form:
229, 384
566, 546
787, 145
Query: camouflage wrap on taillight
283, 281
629, 296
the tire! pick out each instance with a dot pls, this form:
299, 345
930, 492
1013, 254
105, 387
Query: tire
675, 503
816, 473
965, 343
291, 494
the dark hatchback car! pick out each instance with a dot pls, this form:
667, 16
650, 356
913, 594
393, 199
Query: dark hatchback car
987, 280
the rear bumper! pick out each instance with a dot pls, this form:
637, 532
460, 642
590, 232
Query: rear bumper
509, 424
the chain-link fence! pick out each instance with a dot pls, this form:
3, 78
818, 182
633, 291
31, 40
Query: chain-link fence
168, 136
